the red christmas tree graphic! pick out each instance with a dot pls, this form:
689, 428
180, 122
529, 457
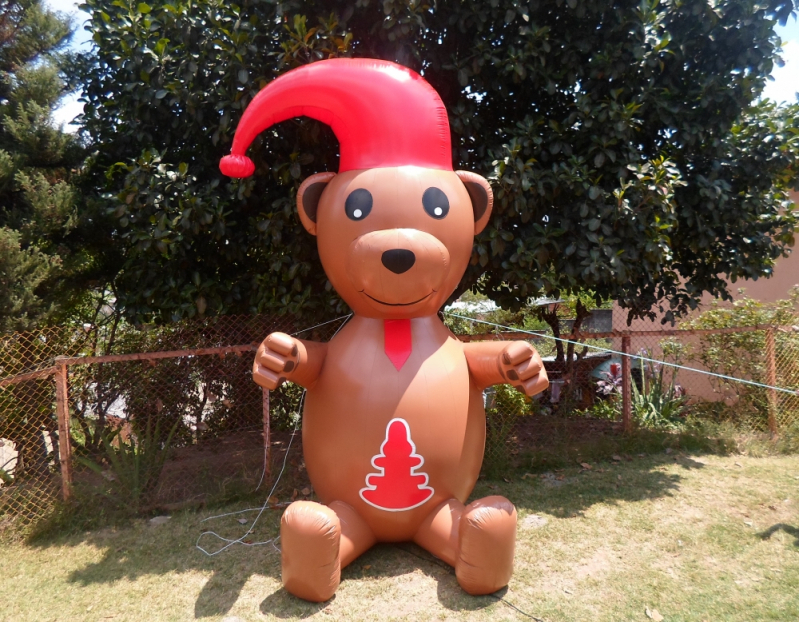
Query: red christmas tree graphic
397, 487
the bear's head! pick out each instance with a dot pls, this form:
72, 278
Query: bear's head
395, 227
395, 241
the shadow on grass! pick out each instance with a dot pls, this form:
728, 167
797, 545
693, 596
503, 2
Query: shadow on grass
281, 604
569, 491
128, 553
793, 531
137, 549
382, 561
132, 547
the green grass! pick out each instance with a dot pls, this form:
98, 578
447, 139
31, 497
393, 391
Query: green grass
696, 537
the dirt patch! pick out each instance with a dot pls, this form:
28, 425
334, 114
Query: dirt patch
221, 468
595, 566
539, 431
533, 521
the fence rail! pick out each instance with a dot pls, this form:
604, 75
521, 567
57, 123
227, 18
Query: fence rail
624, 338
31, 375
72, 412
154, 356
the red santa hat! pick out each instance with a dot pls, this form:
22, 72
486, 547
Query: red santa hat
383, 114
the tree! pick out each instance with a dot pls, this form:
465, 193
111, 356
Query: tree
38, 206
629, 152
163, 89
22, 271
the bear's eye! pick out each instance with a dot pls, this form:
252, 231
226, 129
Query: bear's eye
358, 204
435, 203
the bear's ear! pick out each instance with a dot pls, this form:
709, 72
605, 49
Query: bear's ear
482, 198
308, 199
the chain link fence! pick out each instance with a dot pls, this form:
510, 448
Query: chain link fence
145, 418
154, 418
29, 438
605, 385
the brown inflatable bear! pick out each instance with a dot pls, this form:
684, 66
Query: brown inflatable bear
394, 424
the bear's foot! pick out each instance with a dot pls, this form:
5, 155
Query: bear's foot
486, 538
310, 534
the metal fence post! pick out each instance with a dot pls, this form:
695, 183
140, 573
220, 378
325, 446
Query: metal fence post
625, 385
64, 440
267, 434
771, 380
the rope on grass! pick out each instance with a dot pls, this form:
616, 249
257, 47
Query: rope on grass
230, 542
794, 392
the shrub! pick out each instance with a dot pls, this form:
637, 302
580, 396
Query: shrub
743, 355
504, 407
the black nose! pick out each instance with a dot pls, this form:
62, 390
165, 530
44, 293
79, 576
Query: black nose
398, 260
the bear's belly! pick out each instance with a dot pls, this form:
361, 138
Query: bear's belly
430, 402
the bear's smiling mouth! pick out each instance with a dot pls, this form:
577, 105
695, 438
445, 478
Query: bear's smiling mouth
397, 304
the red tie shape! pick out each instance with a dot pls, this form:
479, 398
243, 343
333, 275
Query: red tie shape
397, 341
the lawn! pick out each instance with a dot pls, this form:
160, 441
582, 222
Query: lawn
670, 536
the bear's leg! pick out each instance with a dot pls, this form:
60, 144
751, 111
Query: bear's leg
309, 538
438, 534
356, 537
486, 542
317, 542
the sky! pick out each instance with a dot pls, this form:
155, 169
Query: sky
783, 88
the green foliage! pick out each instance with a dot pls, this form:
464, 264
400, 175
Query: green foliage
510, 401
525, 319
42, 261
627, 150
506, 405
634, 177
284, 406
206, 397
164, 90
658, 402
28, 30
746, 312
706, 412
605, 408
135, 463
22, 271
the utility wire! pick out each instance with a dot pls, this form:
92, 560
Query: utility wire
230, 542
632, 356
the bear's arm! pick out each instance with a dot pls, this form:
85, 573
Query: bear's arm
501, 362
283, 357
312, 356
483, 359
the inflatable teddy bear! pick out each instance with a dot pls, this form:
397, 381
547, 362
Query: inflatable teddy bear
393, 427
